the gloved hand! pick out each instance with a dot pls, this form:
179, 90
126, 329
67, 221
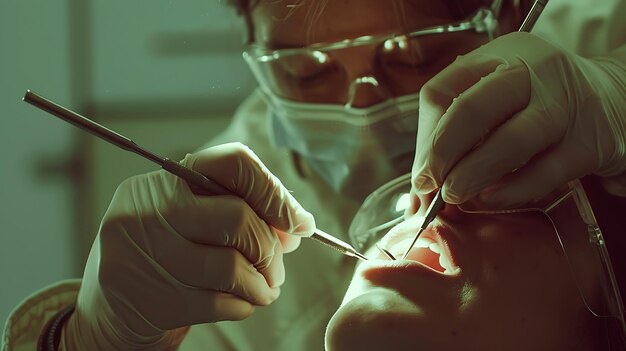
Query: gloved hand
516, 118
165, 258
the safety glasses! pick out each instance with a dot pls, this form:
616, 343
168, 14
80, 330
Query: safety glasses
400, 63
567, 211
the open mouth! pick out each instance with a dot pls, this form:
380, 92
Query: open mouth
430, 249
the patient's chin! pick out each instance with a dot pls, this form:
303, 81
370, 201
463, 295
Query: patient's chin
350, 328
372, 321
339, 334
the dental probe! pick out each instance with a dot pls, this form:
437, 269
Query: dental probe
437, 204
533, 16
175, 168
385, 252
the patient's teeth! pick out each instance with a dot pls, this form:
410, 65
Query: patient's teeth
423, 242
434, 247
444, 262
400, 248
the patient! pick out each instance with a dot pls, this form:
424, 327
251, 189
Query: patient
477, 282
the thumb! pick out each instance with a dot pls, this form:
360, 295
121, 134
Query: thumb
422, 180
237, 168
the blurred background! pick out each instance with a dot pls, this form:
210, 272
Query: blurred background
167, 74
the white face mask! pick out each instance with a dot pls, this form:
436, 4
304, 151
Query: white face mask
353, 149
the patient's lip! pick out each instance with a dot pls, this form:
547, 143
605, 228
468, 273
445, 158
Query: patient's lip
406, 274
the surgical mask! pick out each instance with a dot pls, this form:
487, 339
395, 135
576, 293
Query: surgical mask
352, 149
312, 92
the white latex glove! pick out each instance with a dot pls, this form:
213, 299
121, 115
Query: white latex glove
166, 258
518, 117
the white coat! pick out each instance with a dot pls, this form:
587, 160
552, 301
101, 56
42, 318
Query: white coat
316, 276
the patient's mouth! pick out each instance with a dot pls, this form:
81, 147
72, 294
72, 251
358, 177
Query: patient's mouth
430, 250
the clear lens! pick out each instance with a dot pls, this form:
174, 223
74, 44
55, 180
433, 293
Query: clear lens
587, 254
380, 211
400, 63
570, 214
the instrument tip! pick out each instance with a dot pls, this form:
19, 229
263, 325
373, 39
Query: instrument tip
360, 256
419, 232
385, 252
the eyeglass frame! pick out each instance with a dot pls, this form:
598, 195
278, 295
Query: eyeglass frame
576, 191
483, 20
479, 21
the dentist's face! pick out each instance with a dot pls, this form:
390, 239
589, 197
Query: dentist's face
360, 75
478, 282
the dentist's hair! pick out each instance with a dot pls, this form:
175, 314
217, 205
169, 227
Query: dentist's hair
459, 9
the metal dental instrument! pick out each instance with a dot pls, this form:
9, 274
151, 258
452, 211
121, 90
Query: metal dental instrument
385, 252
175, 168
533, 16
437, 204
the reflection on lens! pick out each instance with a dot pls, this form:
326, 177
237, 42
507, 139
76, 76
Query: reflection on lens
380, 211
